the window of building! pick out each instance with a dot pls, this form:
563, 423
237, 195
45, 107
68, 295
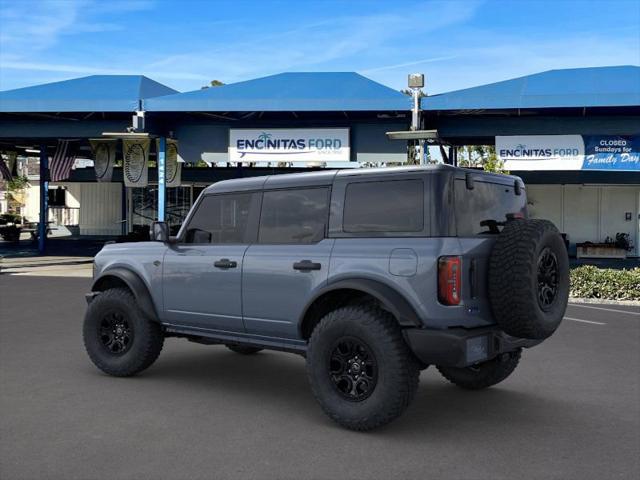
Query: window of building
295, 216
57, 197
386, 206
221, 219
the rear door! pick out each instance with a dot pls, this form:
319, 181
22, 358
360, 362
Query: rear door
202, 273
289, 260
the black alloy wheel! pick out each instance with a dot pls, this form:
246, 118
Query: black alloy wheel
116, 333
353, 369
547, 278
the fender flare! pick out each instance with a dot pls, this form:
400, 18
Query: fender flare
135, 284
388, 297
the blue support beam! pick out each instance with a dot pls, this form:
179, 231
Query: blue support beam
44, 199
162, 179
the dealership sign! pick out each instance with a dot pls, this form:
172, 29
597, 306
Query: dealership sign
569, 152
541, 152
289, 145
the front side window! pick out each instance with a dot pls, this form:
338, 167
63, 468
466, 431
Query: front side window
384, 207
220, 219
295, 216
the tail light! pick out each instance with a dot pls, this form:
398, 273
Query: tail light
449, 280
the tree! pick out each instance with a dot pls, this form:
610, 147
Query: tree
16, 191
484, 156
213, 83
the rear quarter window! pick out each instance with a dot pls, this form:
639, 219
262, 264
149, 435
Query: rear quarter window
486, 201
393, 206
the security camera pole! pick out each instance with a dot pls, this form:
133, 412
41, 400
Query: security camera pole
416, 83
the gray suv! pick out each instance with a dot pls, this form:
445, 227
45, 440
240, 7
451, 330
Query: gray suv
371, 274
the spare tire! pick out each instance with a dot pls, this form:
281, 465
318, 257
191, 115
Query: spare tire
529, 278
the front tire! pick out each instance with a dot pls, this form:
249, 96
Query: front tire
485, 374
120, 340
361, 371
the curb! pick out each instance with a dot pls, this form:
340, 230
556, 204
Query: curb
604, 301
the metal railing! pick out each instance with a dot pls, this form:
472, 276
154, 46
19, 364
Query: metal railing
64, 215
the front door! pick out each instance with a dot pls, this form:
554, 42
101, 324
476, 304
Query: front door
288, 262
202, 272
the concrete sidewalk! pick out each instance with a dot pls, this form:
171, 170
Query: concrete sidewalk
48, 266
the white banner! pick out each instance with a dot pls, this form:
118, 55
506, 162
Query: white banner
104, 157
289, 145
173, 166
541, 152
136, 162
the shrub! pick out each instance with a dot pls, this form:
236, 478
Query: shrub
588, 281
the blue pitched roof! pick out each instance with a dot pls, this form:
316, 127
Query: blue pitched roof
96, 93
576, 87
300, 91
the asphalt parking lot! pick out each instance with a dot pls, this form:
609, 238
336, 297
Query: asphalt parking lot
571, 410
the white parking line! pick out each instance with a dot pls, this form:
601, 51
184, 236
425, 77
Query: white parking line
583, 321
605, 309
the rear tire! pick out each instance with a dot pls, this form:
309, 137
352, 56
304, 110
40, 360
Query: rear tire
120, 340
484, 374
361, 371
242, 349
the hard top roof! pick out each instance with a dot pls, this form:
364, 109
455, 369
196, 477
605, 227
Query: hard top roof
326, 177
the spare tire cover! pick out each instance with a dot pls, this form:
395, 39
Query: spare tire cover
529, 278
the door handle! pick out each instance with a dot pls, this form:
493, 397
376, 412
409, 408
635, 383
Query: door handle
225, 263
306, 265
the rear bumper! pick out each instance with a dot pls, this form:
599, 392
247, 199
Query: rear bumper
459, 347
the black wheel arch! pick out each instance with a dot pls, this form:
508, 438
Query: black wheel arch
388, 298
119, 277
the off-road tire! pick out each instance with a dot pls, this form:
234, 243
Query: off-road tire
243, 349
397, 369
484, 374
145, 346
515, 278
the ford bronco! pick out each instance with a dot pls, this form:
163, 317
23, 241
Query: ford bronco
371, 274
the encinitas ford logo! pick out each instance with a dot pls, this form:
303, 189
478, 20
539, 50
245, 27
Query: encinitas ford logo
265, 144
522, 151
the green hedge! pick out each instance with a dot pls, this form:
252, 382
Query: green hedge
588, 281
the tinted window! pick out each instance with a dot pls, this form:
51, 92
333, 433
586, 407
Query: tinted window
389, 206
487, 201
220, 219
294, 216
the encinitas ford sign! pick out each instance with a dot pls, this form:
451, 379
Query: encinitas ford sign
289, 145
541, 152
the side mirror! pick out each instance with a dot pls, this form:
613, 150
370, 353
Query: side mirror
160, 232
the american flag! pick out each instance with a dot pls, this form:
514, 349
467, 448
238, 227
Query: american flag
4, 170
62, 161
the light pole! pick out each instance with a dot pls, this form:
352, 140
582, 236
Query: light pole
416, 83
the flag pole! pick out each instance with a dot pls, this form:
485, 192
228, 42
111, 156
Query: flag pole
44, 199
162, 179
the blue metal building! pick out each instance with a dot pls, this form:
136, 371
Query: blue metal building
582, 107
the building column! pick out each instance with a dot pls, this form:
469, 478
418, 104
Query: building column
162, 179
44, 199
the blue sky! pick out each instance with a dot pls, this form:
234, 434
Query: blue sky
184, 44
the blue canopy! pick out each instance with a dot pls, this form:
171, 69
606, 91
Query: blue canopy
289, 92
96, 93
577, 87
